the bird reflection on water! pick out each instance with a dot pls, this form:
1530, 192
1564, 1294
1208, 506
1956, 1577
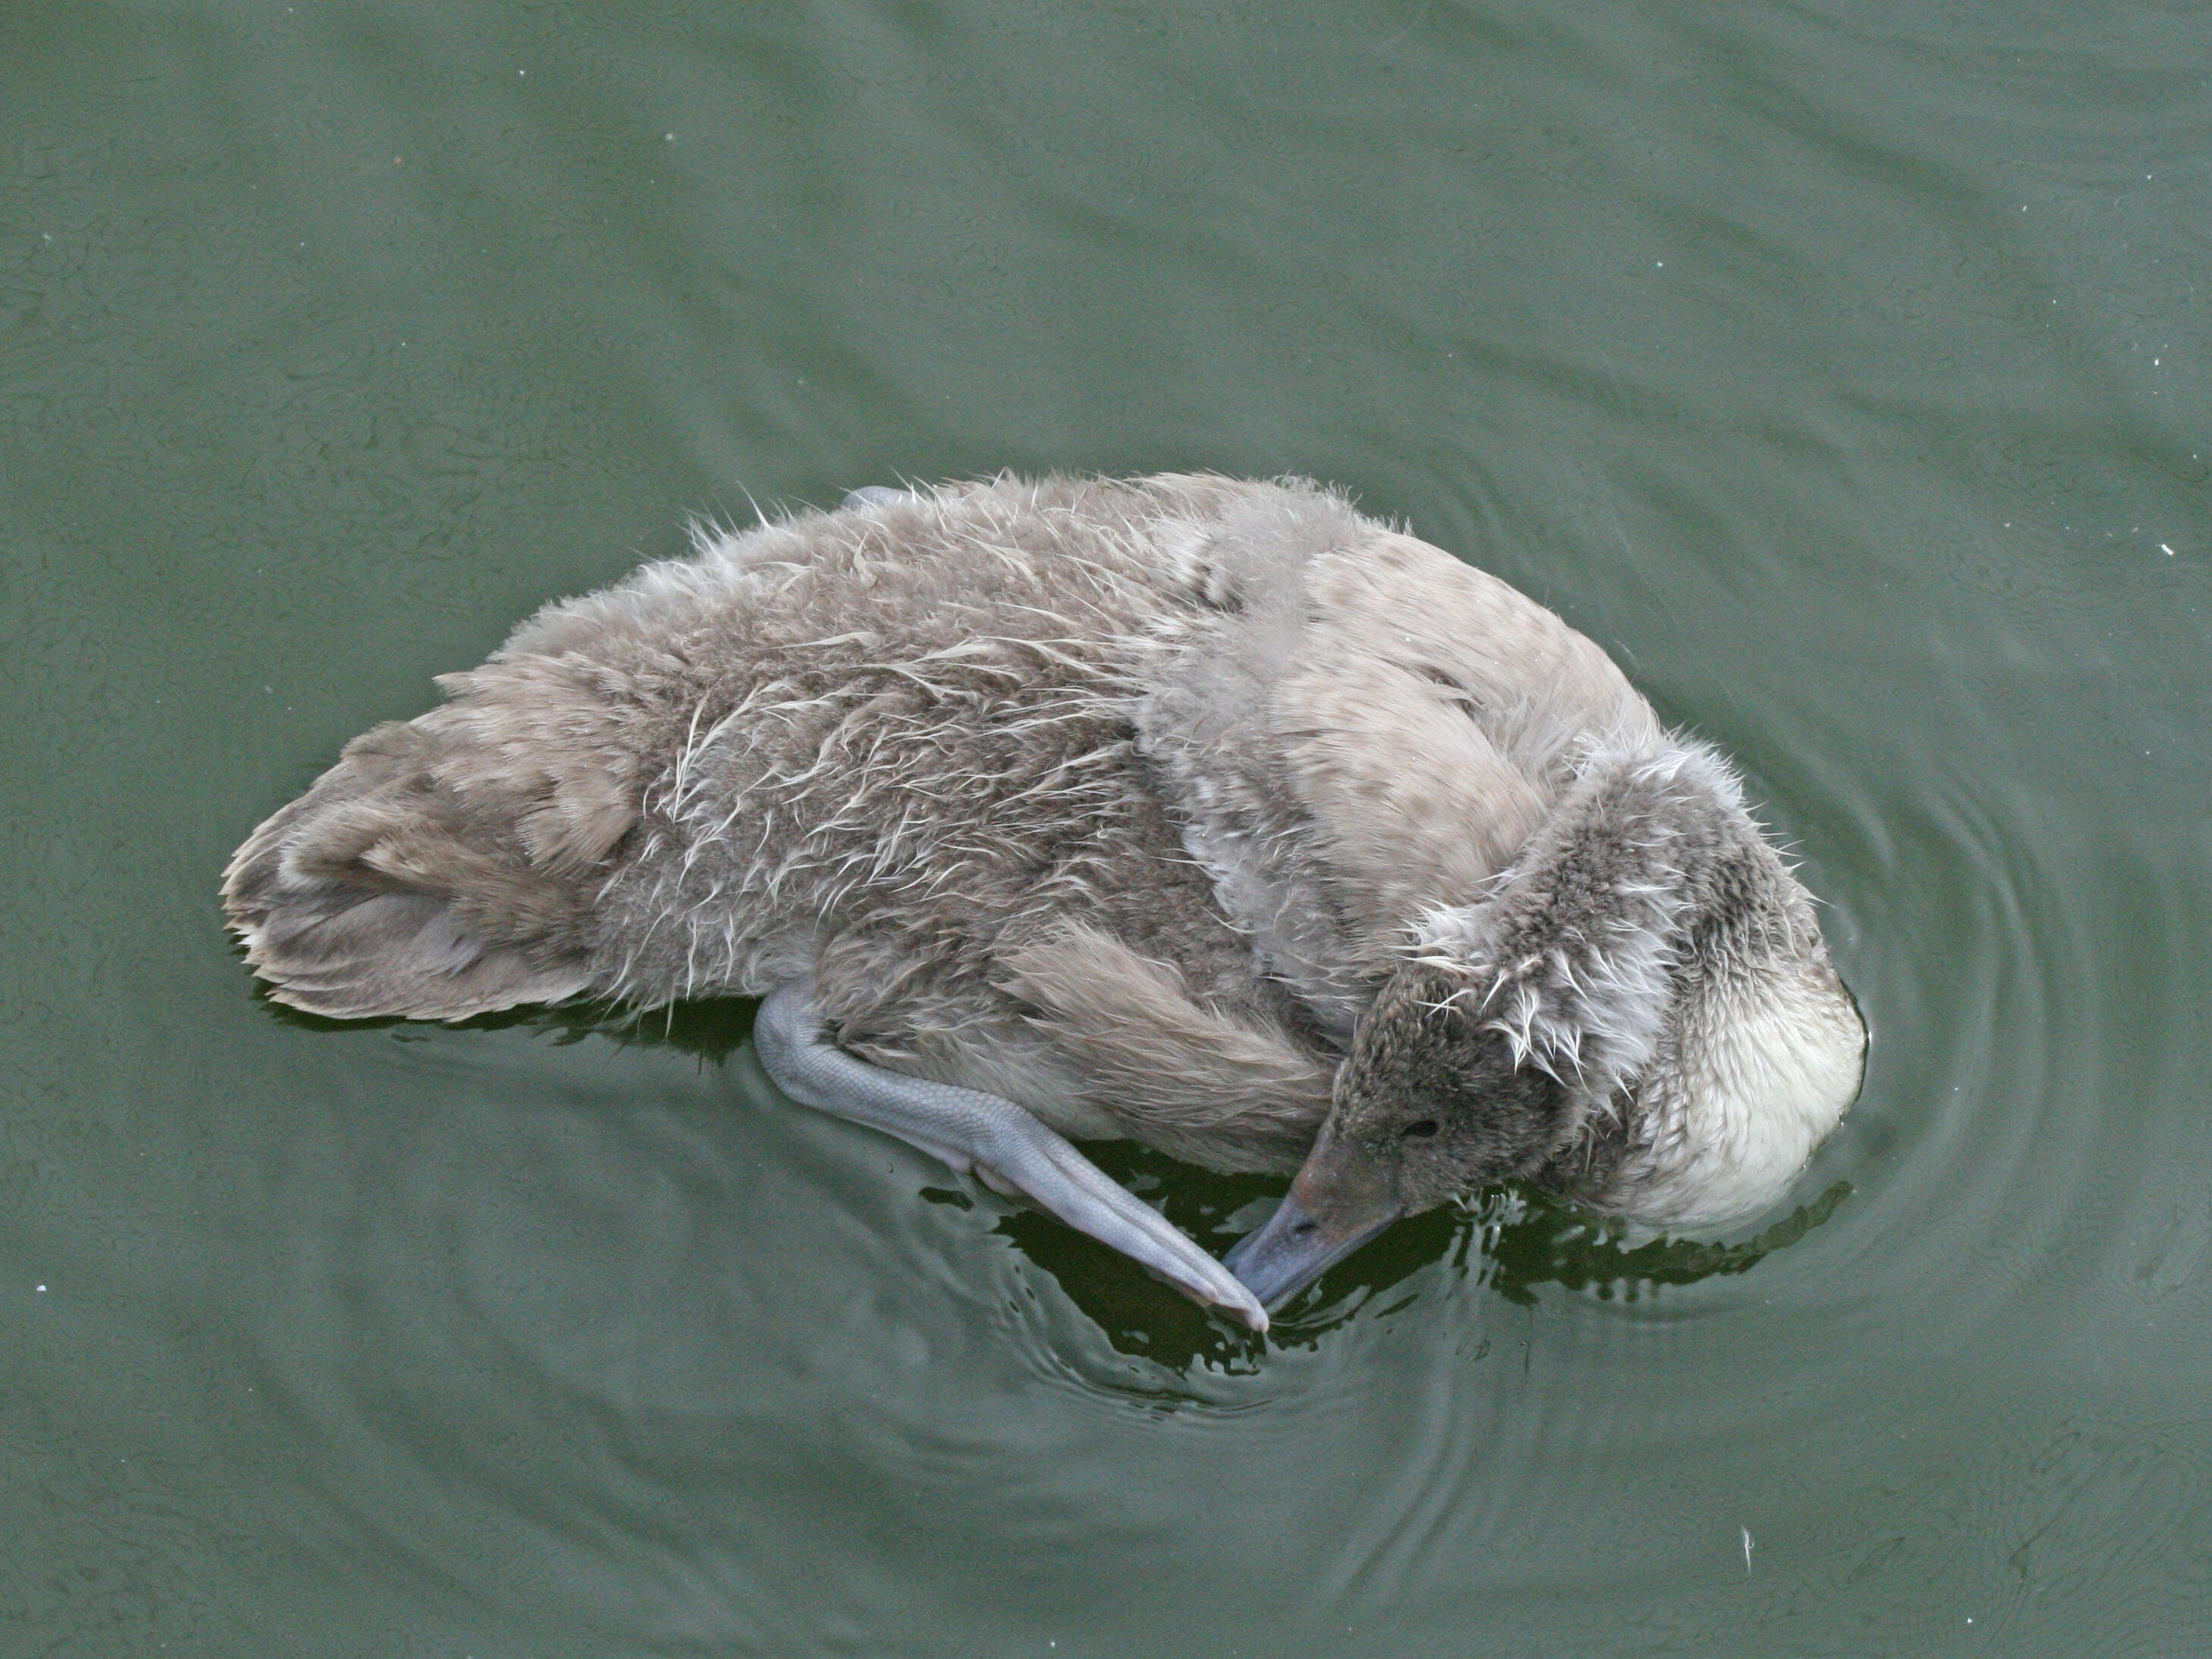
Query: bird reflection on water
1513, 1243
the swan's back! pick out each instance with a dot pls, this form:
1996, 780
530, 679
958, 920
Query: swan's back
639, 791
1119, 794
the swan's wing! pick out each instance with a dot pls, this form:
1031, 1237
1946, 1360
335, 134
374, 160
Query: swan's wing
1537, 689
1430, 718
1361, 729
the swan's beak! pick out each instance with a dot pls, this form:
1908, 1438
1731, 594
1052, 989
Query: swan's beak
1342, 1198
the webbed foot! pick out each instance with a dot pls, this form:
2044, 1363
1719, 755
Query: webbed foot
970, 1129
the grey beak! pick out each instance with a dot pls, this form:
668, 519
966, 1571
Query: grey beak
1340, 1200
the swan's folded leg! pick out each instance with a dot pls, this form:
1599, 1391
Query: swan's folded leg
968, 1129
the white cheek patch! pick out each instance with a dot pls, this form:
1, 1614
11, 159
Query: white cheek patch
1759, 1097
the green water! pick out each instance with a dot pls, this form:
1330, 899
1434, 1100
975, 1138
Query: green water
1841, 366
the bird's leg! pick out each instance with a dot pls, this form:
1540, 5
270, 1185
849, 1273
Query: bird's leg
970, 1129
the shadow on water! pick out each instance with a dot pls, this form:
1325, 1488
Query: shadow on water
1513, 1243
712, 1030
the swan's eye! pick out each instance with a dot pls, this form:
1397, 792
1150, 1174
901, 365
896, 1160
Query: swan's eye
1421, 1131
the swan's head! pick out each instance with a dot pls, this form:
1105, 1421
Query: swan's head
1642, 1018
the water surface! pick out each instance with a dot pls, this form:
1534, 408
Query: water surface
1840, 367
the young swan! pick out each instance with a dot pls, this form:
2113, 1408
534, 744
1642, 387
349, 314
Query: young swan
1206, 812
1642, 1018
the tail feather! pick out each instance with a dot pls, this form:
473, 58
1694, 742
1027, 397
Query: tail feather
444, 866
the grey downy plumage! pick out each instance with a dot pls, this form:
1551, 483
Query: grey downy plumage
1205, 812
